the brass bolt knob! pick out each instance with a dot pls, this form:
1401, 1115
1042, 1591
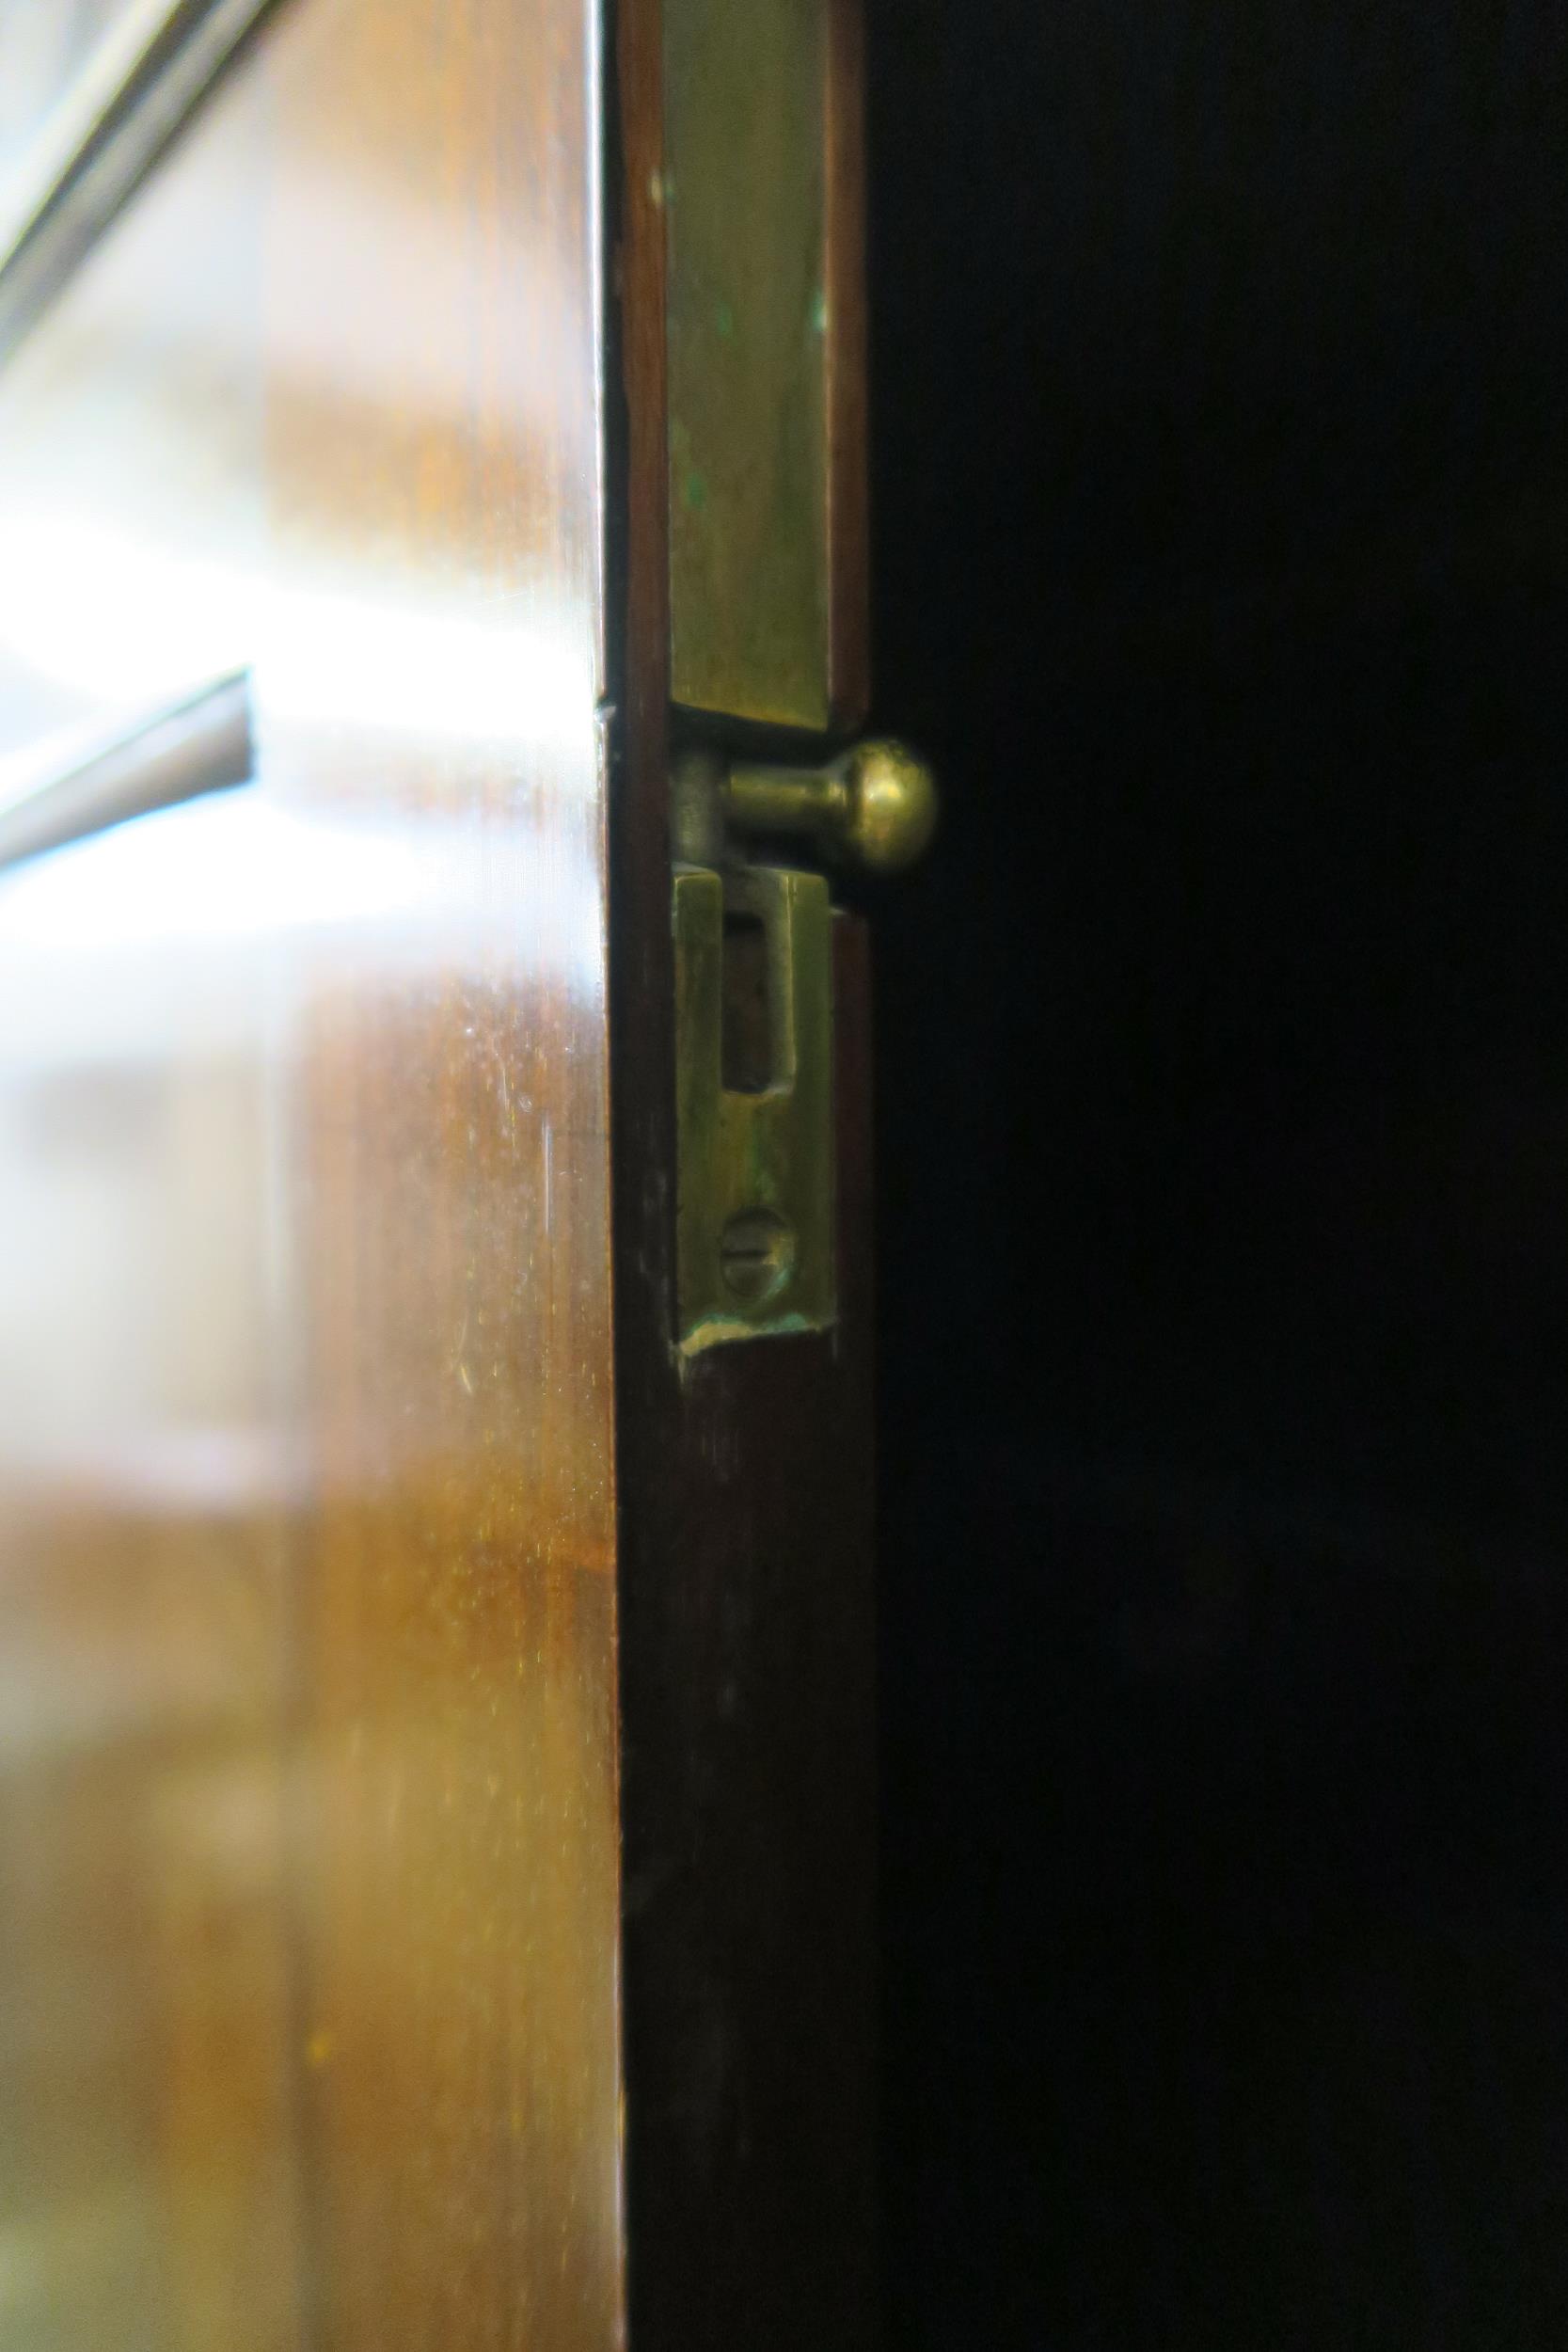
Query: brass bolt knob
890, 806
875, 807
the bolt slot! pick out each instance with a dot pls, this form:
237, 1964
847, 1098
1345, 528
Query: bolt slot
746, 1047
756, 1255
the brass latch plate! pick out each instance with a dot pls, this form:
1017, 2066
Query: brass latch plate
766, 302
755, 1097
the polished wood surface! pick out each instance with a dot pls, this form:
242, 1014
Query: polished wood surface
307, 1759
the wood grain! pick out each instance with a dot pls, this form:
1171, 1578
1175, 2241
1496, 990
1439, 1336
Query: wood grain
310, 1557
308, 1797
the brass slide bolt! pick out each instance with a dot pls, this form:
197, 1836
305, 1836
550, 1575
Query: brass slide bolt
874, 808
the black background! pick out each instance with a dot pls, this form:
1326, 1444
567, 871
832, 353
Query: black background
1221, 485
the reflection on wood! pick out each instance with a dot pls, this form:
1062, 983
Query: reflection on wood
308, 1765
203, 746
47, 55
94, 90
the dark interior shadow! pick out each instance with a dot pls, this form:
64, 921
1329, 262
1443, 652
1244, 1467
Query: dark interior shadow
1222, 527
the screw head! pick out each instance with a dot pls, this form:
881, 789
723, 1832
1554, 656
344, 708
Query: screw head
891, 810
756, 1255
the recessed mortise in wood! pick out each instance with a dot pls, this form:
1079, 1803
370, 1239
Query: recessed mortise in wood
199, 746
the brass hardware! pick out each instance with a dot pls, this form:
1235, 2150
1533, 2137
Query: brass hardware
764, 315
754, 1244
874, 808
760, 190
754, 1247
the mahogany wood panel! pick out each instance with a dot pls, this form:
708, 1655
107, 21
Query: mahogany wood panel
307, 1759
308, 1503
